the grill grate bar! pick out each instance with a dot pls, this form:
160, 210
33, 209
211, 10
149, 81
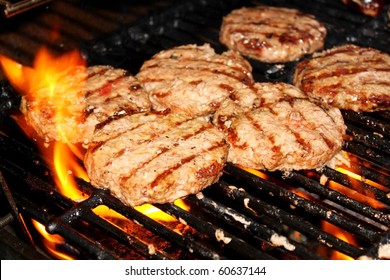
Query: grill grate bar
83, 213
61, 223
373, 140
380, 160
47, 214
361, 187
371, 174
335, 196
65, 230
237, 245
309, 207
184, 241
374, 251
125, 238
249, 226
367, 121
255, 208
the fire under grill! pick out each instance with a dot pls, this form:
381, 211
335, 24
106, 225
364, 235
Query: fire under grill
311, 214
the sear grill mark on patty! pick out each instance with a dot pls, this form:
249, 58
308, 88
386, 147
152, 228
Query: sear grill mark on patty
347, 77
285, 131
271, 138
202, 172
199, 65
228, 74
193, 79
156, 157
115, 134
106, 88
163, 148
272, 34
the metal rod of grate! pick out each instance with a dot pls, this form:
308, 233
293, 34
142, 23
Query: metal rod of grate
255, 207
249, 226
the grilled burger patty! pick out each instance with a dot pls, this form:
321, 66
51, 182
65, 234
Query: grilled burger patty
82, 99
193, 79
155, 157
280, 129
348, 77
272, 34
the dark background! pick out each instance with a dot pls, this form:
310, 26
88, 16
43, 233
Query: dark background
62, 25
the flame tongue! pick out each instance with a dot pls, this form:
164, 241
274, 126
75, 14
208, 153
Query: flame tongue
15, 73
46, 71
53, 93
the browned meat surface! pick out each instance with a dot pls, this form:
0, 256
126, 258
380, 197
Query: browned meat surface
80, 100
348, 77
280, 129
155, 157
259, 95
193, 79
272, 34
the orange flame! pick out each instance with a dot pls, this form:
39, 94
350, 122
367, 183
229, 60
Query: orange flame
343, 235
51, 241
146, 209
360, 178
255, 172
67, 167
156, 214
46, 72
44, 81
48, 81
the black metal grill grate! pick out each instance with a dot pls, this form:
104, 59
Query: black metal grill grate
243, 216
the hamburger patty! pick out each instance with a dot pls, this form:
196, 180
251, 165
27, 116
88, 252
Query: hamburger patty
193, 79
348, 77
155, 157
81, 99
280, 129
272, 34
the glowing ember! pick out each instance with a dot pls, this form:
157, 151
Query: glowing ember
302, 194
